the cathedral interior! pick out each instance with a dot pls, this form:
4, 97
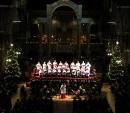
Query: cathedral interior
66, 30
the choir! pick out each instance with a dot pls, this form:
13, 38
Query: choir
55, 68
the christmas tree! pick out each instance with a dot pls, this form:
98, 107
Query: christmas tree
116, 63
12, 67
119, 81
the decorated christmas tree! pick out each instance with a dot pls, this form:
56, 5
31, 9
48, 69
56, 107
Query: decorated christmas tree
116, 64
12, 67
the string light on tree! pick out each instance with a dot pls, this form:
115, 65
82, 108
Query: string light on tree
18, 53
12, 67
116, 63
8, 60
11, 45
117, 43
109, 49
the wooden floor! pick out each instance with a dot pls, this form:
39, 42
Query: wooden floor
105, 89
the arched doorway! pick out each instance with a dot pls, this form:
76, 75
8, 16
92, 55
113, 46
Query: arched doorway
64, 19
64, 25
64, 33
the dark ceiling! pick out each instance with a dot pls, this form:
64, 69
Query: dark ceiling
87, 4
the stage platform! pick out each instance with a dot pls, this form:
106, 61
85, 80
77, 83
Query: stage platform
68, 98
64, 105
62, 78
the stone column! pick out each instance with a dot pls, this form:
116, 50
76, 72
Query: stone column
40, 33
78, 38
49, 17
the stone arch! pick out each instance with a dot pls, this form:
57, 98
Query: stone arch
61, 3
52, 7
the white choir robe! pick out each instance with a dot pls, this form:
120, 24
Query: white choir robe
87, 72
68, 70
78, 72
49, 66
55, 65
72, 67
74, 70
66, 65
60, 64
88, 67
63, 89
63, 69
83, 68
59, 70
83, 71
44, 68
83, 65
54, 70
49, 70
78, 68
39, 68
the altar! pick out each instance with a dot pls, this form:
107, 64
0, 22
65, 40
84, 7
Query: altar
64, 105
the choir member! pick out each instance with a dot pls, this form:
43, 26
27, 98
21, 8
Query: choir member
63, 69
59, 68
78, 68
54, 67
44, 68
39, 68
83, 68
67, 68
49, 67
73, 68
87, 68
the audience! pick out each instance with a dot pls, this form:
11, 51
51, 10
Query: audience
38, 99
120, 88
